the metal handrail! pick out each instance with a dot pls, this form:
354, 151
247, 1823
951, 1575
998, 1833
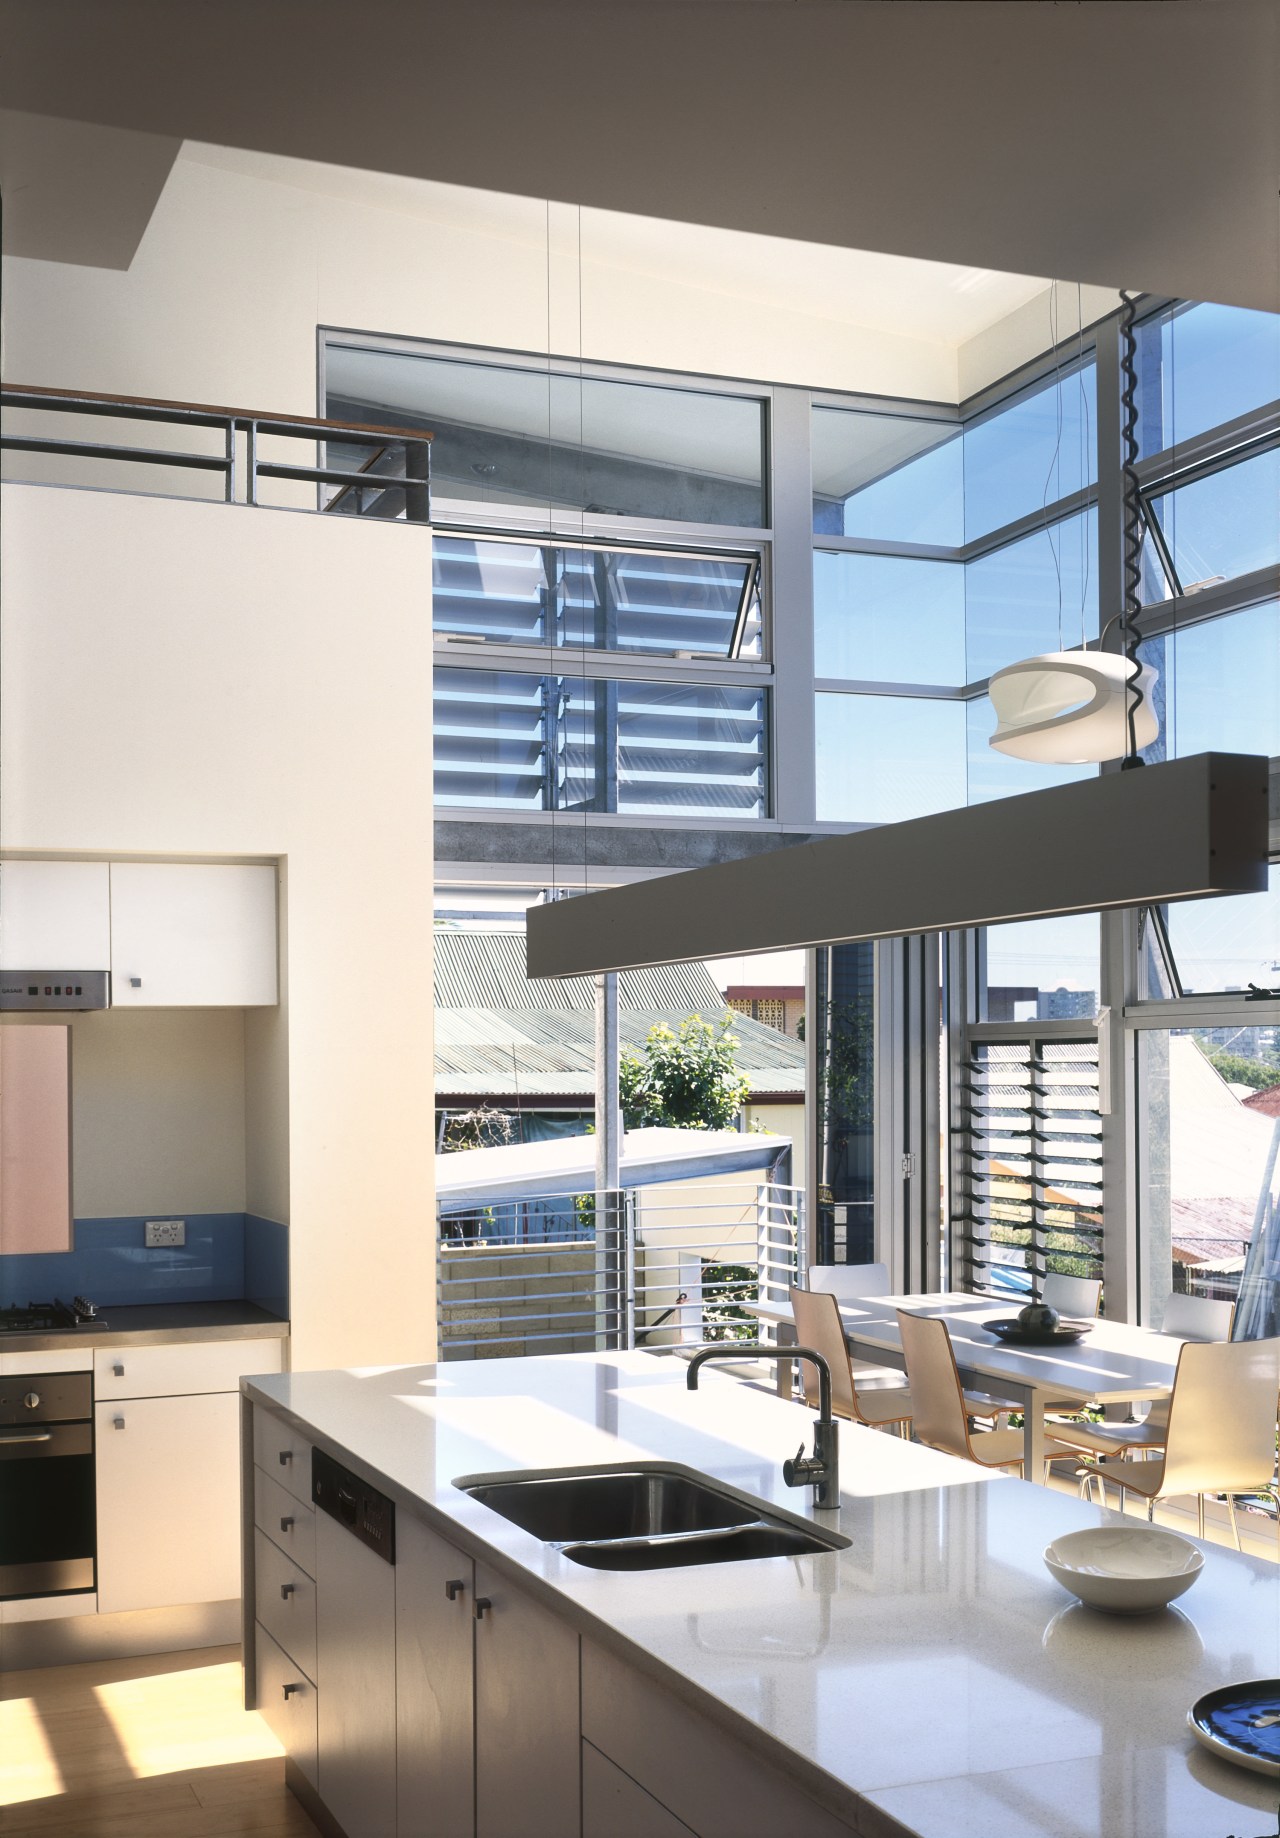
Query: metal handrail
414, 481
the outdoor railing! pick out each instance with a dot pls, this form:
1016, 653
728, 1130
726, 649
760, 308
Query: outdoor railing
394, 480
579, 1272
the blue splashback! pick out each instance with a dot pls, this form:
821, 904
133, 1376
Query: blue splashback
110, 1263
266, 1263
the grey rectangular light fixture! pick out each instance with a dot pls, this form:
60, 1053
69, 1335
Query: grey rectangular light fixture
1180, 830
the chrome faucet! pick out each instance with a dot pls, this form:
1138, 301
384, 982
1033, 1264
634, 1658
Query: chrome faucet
821, 1470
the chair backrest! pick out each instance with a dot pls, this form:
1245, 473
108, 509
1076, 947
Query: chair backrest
937, 1398
1198, 1318
1080, 1296
817, 1319
1222, 1417
851, 1280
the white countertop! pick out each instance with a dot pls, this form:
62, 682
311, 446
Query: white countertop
934, 1671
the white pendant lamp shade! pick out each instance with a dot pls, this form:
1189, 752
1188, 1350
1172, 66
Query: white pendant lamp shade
1070, 708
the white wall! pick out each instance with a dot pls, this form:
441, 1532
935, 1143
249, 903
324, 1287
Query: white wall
235, 682
157, 1110
236, 271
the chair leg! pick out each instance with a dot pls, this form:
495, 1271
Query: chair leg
1151, 1509
1200, 1515
1231, 1513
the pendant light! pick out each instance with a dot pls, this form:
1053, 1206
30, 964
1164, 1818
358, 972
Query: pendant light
1084, 707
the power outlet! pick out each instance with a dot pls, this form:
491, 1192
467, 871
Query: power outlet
163, 1234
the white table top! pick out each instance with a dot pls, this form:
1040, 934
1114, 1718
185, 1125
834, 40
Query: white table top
1113, 1362
931, 1679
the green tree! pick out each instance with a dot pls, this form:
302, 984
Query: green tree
686, 1081
1237, 1070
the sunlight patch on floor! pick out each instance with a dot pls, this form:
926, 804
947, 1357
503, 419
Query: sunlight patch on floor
28, 1767
182, 1721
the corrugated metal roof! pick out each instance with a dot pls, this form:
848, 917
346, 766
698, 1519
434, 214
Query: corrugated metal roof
487, 970
480, 1051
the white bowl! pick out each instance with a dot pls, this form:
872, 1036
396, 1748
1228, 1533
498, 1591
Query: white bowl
1124, 1570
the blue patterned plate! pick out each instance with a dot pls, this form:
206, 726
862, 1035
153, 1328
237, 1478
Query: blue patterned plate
1241, 1723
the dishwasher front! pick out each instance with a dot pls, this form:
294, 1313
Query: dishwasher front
355, 1649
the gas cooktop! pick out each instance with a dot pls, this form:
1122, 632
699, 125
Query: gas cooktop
50, 1317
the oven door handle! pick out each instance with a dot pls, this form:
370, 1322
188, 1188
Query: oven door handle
29, 1436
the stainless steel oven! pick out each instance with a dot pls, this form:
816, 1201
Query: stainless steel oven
47, 1518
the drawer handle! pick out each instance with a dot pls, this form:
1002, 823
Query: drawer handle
482, 1604
117, 1423
286, 1456
117, 1371
286, 1590
454, 1590
286, 1525
290, 1689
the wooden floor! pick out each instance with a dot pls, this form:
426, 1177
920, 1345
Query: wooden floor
140, 1748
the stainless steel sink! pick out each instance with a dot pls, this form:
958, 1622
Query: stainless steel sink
649, 1516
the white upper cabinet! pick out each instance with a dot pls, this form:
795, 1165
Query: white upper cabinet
55, 916
192, 935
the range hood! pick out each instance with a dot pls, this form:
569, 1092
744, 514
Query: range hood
49, 991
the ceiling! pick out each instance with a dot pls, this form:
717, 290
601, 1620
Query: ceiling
1112, 142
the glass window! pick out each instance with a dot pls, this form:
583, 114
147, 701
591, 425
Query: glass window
1044, 969
882, 759
510, 438
1031, 453
1210, 1174
1220, 684
1000, 775
888, 618
508, 741
608, 599
1225, 524
1227, 944
1203, 366
887, 478
1038, 594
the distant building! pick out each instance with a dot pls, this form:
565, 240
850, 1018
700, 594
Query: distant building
1066, 1004
526, 1047
775, 1005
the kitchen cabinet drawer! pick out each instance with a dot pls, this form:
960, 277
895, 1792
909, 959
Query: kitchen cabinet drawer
168, 1491
287, 1702
55, 916
615, 1806
172, 1371
285, 1603
283, 1453
719, 1786
288, 1522
191, 935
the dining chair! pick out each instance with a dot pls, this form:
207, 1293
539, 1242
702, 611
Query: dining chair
818, 1325
850, 1281
1076, 1296
1191, 1318
941, 1411
1220, 1436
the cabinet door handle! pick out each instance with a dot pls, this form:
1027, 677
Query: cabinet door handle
117, 1423
135, 982
481, 1604
290, 1689
454, 1590
117, 1371
286, 1590
286, 1525
286, 1456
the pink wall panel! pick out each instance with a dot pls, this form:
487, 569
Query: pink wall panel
35, 1139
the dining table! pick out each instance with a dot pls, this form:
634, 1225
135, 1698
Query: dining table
1112, 1363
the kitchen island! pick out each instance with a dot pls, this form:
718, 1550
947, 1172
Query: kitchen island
931, 1678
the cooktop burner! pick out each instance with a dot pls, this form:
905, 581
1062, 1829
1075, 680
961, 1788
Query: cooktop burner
49, 1317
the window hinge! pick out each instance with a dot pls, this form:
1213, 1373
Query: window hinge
908, 1167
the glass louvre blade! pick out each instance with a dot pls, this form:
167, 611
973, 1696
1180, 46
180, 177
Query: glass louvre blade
645, 602
1031, 1158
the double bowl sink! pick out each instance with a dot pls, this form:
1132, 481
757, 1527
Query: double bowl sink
645, 1516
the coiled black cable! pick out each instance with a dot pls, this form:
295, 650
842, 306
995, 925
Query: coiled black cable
1132, 525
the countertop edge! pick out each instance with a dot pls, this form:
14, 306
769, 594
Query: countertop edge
833, 1796
273, 1329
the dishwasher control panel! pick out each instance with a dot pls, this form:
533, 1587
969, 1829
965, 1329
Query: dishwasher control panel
367, 1514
